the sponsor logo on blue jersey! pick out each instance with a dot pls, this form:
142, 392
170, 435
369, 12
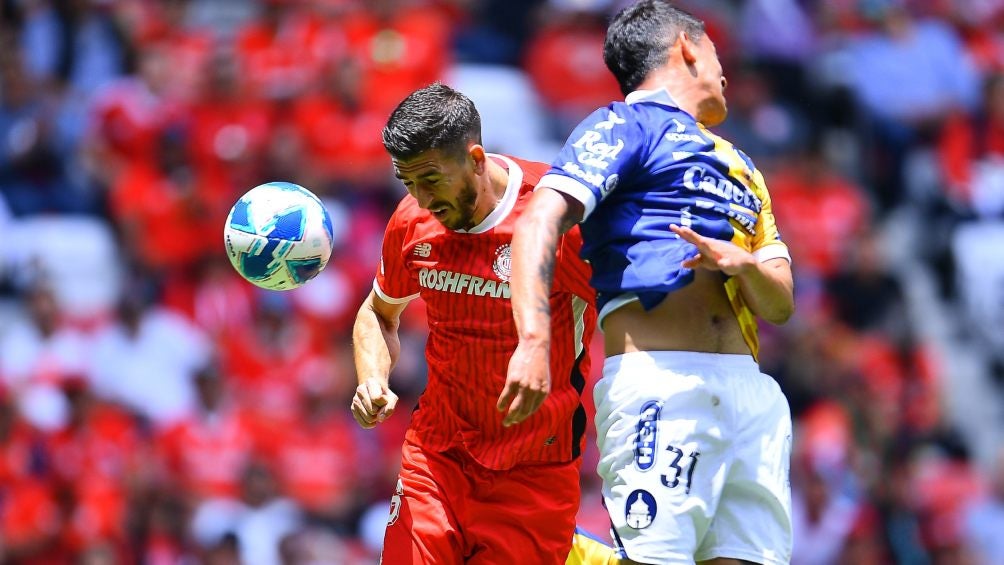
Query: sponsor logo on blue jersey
698, 178
575, 170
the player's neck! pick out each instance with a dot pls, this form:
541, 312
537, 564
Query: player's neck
685, 98
497, 179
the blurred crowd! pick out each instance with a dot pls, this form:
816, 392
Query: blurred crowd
157, 409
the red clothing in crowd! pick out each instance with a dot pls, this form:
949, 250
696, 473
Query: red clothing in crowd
342, 142
205, 455
565, 62
821, 215
463, 279
282, 57
266, 369
400, 52
171, 222
964, 142
317, 462
29, 516
30, 522
127, 119
97, 459
229, 138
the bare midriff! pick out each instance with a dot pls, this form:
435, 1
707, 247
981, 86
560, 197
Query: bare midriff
697, 317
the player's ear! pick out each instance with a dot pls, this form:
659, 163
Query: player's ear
688, 48
478, 156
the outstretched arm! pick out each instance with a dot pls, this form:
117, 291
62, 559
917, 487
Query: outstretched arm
375, 349
548, 215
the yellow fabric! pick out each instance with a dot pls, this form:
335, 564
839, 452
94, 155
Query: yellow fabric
588, 551
766, 230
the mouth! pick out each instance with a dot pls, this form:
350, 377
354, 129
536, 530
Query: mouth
439, 212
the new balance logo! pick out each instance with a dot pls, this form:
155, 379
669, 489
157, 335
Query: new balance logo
423, 249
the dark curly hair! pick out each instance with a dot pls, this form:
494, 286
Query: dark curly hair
639, 37
434, 117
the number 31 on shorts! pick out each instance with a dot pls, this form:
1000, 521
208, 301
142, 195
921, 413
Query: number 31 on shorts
681, 463
671, 478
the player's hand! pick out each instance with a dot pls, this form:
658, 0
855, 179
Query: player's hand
715, 254
373, 403
527, 384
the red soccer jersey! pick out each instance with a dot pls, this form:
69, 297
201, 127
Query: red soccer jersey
463, 277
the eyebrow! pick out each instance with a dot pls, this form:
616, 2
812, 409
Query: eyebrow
425, 175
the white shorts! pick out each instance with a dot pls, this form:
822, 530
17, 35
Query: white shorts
695, 453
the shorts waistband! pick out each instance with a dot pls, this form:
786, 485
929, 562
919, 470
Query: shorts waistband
680, 360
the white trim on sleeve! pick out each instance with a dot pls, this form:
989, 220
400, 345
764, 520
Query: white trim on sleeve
383, 296
772, 251
571, 187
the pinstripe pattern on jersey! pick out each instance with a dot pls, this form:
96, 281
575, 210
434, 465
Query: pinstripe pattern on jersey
462, 277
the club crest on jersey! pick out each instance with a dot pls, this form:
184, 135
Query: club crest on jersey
395, 504
609, 185
502, 267
641, 509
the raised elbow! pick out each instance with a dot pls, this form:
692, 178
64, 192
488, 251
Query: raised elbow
781, 314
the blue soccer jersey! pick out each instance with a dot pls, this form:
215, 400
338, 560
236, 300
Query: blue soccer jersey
642, 165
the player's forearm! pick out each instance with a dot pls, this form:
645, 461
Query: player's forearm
769, 290
375, 344
534, 245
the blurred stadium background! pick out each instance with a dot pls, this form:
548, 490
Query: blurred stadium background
155, 409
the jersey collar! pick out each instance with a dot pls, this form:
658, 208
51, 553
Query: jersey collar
508, 200
658, 96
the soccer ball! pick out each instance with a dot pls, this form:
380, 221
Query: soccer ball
278, 236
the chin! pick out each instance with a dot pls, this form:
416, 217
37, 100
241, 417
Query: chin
713, 115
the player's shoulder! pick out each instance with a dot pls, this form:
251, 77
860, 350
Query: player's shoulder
643, 118
646, 108
531, 170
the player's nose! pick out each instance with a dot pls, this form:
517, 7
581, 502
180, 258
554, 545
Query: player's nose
424, 197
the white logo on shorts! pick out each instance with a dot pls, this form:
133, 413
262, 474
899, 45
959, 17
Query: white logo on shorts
395, 504
645, 441
641, 509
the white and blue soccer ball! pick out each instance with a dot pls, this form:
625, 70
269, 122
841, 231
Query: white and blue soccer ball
278, 236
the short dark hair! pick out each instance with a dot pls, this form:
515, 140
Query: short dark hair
639, 37
434, 117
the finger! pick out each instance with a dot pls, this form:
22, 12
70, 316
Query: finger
686, 233
364, 400
388, 409
363, 422
531, 401
537, 403
515, 413
361, 416
377, 392
694, 262
507, 396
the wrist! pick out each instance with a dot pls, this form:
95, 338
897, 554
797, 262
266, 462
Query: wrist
378, 380
540, 337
